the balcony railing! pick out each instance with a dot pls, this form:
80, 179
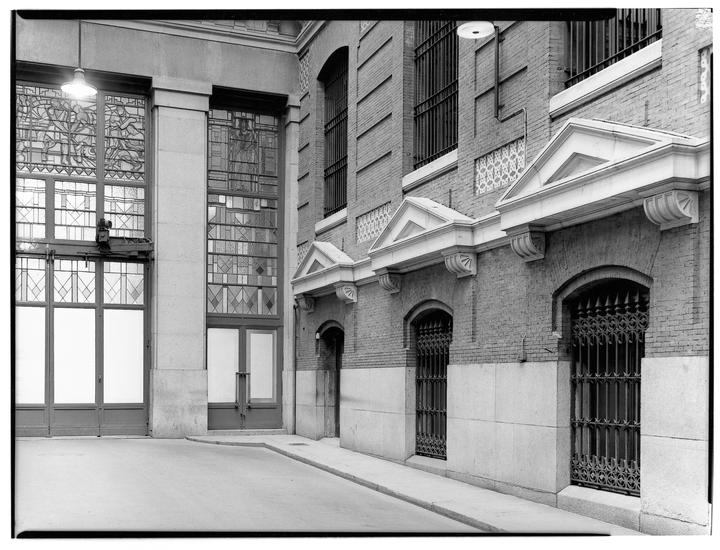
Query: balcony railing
592, 46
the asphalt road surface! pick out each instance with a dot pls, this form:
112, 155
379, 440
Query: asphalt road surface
118, 484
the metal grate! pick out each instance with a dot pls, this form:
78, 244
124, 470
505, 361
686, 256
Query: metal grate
436, 90
608, 343
336, 138
594, 45
434, 334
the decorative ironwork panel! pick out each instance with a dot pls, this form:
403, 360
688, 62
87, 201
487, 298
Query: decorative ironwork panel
436, 90
125, 208
432, 346
124, 138
29, 279
243, 152
123, 283
304, 74
74, 281
592, 46
242, 255
369, 225
608, 343
75, 210
29, 209
54, 134
500, 167
302, 250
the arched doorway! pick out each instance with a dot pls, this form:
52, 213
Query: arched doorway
330, 350
432, 330
608, 320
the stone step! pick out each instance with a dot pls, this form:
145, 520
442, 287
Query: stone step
249, 431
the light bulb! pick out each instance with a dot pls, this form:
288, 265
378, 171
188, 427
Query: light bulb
78, 88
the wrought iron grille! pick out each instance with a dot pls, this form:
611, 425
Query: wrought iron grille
436, 90
608, 343
433, 337
593, 45
336, 138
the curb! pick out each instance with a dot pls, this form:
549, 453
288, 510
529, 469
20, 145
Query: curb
468, 520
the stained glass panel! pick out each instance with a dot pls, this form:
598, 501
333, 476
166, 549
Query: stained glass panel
75, 210
29, 279
243, 152
123, 283
55, 135
124, 138
29, 209
74, 281
125, 208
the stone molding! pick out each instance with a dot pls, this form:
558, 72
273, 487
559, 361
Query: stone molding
305, 302
462, 263
672, 208
390, 281
529, 245
346, 292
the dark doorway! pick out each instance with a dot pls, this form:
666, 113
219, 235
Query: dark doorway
331, 347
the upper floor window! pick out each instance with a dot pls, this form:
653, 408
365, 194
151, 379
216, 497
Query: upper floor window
334, 77
77, 161
436, 90
591, 46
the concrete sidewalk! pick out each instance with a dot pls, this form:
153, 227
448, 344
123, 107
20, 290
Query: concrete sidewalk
481, 508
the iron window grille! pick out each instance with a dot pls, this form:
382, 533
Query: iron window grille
436, 90
608, 343
335, 173
591, 46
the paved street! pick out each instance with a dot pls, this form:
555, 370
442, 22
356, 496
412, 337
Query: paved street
152, 484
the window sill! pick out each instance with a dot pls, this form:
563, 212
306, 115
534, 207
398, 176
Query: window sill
331, 221
613, 76
430, 171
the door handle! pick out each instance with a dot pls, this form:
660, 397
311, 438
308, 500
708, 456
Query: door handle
99, 378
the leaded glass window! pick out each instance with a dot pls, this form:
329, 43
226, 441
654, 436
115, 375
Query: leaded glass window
85, 157
243, 269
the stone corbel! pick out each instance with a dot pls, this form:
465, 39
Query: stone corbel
672, 208
347, 292
389, 281
462, 263
529, 244
305, 302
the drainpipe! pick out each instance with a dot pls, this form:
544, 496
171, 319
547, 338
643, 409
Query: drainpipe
295, 336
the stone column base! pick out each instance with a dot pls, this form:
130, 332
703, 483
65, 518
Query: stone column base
178, 402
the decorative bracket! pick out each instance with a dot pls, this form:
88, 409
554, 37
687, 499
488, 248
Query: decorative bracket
347, 292
462, 263
305, 302
529, 245
672, 208
389, 281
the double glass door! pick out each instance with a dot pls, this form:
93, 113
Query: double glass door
80, 346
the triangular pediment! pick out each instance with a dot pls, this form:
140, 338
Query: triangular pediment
583, 146
321, 255
416, 215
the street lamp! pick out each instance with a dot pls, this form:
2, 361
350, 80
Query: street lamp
77, 87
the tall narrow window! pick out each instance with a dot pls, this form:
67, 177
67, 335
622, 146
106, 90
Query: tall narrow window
335, 174
243, 267
436, 90
594, 45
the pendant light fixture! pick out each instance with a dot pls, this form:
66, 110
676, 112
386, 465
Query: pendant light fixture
77, 87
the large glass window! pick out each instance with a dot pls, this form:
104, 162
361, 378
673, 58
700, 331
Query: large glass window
242, 265
592, 46
436, 90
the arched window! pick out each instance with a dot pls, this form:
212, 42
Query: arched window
334, 77
436, 90
608, 320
